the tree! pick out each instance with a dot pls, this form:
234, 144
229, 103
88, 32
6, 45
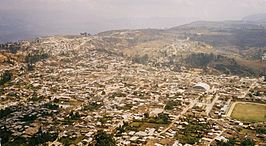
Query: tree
33, 58
30, 67
261, 130
162, 118
247, 142
5, 134
6, 77
169, 106
51, 106
104, 139
146, 115
5, 112
74, 116
141, 59
42, 137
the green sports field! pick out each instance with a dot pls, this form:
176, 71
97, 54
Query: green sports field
250, 112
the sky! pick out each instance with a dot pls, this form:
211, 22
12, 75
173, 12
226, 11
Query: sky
203, 9
72, 16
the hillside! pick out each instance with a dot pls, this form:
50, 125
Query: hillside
205, 45
238, 41
235, 34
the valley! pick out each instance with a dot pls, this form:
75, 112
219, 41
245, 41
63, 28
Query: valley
134, 87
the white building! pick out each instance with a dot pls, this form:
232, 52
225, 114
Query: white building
203, 86
263, 56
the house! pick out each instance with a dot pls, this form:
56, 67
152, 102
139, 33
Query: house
263, 57
156, 111
55, 143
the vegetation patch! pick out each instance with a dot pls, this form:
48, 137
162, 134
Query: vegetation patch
5, 112
72, 117
33, 58
6, 77
249, 112
69, 141
92, 106
141, 59
51, 106
40, 138
171, 105
162, 120
103, 139
29, 118
192, 132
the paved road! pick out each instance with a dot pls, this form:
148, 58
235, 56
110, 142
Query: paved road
191, 105
216, 137
224, 127
228, 114
210, 106
253, 85
83, 43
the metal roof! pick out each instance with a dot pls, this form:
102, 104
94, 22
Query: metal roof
203, 85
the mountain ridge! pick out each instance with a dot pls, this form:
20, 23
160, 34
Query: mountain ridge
242, 41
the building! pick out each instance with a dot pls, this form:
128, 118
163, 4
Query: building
156, 111
263, 57
202, 86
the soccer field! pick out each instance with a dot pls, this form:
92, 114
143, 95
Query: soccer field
250, 112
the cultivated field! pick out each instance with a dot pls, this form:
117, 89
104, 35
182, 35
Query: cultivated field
251, 112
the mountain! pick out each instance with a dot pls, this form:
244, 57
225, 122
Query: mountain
231, 47
21, 26
236, 34
202, 44
238, 24
261, 18
154, 47
234, 38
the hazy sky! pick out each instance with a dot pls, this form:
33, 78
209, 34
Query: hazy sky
202, 9
72, 16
